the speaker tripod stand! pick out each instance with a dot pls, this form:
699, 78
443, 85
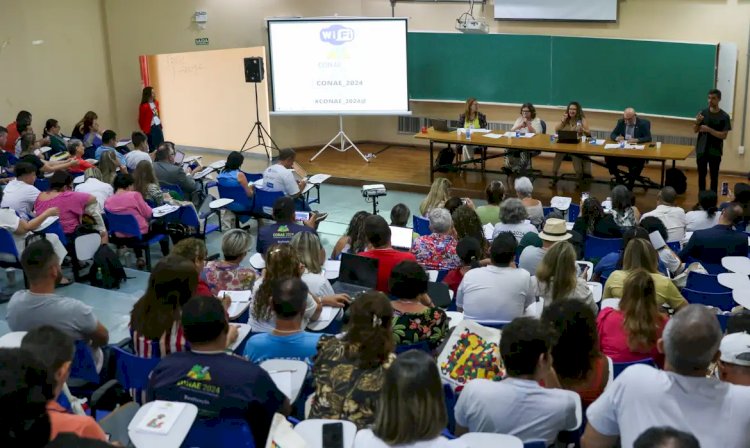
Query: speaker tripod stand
261, 131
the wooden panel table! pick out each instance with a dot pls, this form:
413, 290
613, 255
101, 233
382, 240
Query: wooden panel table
542, 142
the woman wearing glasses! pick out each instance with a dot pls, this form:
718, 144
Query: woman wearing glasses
520, 161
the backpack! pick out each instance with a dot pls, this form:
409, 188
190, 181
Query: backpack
676, 179
106, 270
445, 159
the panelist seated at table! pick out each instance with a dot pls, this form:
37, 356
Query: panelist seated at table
629, 129
528, 122
573, 120
471, 118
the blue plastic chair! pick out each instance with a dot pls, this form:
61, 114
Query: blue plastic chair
12, 159
83, 366
422, 346
189, 217
441, 274
618, 367
674, 245
595, 248
723, 321
420, 225
127, 225
219, 433
42, 183
263, 203
722, 300
535, 444
546, 211
498, 325
242, 205
132, 371
573, 211
705, 283
8, 247
173, 189
252, 177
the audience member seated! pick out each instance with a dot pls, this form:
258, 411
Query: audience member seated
524, 189
438, 249
514, 219
703, 215
109, 166
439, 193
518, 405
415, 317
734, 364
630, 333
499, 292
640, 254
28, 155
280, 177
579, 364
613, 260
495, 194
680, 396
232, 175
125, 201
240, 388
554, 231
23, 118
40, 305
466, 223
169, 173
55, 350
195, 250
71, 204
594, 221
75, 151
379, 236
55, 137
709, 246
312, 255
624, 211
109, 143
673, 217
400, 215
411, 412
453, 203
145, 183
285, 226
20, 193
348, 369
667, 256
665, 437
155, 327
355, 239
228, 275
94, 186
557, 278
288, 340
25, 129
470, 252
84, 125
140, 152
91, 127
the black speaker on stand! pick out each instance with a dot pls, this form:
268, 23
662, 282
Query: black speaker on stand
254, 73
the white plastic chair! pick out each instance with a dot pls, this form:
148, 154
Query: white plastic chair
535, 309
486, 439
287, 374
176, 434
589, 265
87, 245
12, 339
597, 290
455, 318
432, 275
611, 303
312, 432
611, 366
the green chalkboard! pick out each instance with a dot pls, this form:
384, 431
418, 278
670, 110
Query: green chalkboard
664, 78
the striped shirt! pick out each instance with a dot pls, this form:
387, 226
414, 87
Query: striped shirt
172, 341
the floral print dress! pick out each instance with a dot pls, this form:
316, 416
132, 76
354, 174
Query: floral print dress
224, 276
430, 325
436, 251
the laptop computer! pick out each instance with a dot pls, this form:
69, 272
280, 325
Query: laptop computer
356, 275
568, 137
401, 237
441, 125
179, 156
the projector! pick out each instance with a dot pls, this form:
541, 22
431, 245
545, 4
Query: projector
373, 191
472, 26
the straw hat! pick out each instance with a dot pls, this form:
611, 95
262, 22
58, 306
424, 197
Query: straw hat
555, 230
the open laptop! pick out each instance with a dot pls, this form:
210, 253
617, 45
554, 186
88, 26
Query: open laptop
356, 275
179, 156
568, 137
401, 237
442, 125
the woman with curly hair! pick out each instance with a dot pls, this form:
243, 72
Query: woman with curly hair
467, 223
593, 221
354, 240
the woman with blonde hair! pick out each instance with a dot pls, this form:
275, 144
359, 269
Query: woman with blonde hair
227, 274
556, 277
640, 254
630, 333
108, 165
440, 191
312, 256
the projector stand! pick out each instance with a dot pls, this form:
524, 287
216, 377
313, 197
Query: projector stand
344, 141
262, 133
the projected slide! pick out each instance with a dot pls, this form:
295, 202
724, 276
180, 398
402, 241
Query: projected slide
583, 10
338, 66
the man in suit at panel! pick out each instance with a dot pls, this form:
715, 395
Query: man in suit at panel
630, 129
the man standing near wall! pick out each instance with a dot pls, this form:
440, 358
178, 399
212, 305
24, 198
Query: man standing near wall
712, 125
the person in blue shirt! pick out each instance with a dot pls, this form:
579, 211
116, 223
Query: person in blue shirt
284, 228
109, 140
709, 246
613, 260
288, 339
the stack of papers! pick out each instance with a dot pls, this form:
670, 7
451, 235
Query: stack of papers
626, 146
492, 135
161, 417
488, 230
164, 210
202, 173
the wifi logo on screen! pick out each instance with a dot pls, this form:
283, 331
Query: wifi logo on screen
337, 35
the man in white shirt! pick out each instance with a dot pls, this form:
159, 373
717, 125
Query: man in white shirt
518, 405
499, 292
139, 152
280, 177
673, 217
680, 396
20, 193
94, 186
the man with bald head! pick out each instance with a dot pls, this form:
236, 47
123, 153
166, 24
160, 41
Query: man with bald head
630, 129
681, 396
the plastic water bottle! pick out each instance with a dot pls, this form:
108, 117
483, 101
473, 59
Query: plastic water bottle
468, 131
99, 275
518, 134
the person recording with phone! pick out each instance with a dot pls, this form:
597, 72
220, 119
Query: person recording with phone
629, 129
573, 120
712, 125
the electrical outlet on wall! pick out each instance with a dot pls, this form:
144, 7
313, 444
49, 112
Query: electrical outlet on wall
741, 150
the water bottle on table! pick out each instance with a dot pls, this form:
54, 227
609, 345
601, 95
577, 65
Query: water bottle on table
468, 131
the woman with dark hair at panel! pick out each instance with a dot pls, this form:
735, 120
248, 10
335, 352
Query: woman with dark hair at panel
576, 358
149, 119
354, 240
56, 140
527, 123
467, 224
624, 211
155, 319
470, 251
349, 368
83, 127
594, 221
400, 214
629, 333
573, 120
411, 412
704, 215
495, 194
233, 176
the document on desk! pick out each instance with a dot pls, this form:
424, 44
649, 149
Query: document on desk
318, 178
163, 414
236, 296
491, 135
628, 146
463, 130
164, 210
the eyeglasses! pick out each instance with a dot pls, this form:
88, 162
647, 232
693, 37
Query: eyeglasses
525, 111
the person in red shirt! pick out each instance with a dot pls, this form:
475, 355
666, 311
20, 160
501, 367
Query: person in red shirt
13, 134
379, 236
75, 149
149, 119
